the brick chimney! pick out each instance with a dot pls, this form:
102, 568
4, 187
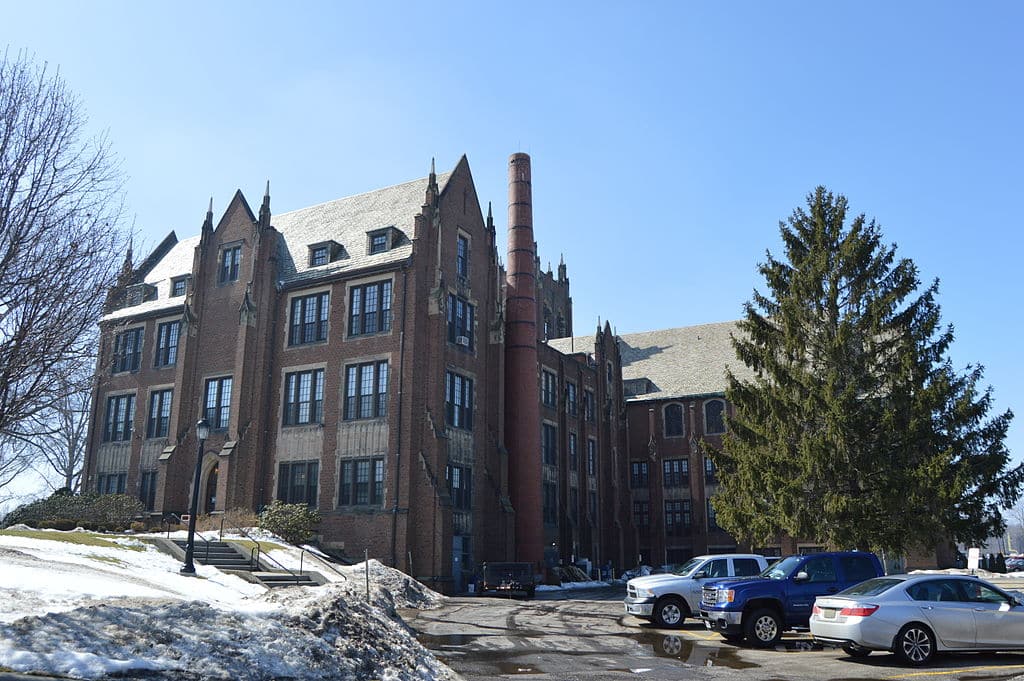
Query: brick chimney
522, 398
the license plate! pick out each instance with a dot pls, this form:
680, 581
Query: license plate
828, 613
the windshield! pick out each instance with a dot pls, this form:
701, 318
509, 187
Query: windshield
783, 568
688, 567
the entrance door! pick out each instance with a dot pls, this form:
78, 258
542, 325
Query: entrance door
210, 504
457, 562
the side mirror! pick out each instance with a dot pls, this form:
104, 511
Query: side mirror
801, 577
700, 574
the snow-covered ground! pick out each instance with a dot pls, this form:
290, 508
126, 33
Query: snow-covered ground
86, 611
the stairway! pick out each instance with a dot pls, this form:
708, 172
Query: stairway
224, 556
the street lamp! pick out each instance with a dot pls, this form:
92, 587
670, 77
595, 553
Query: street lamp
202, 432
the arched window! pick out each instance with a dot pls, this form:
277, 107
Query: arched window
674, 420
714, 417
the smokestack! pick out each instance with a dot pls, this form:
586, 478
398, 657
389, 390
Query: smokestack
522, 398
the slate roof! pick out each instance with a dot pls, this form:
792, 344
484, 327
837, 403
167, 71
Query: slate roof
176, 263
345, 221
673, 363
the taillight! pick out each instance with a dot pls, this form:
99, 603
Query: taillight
815, 610
858, 610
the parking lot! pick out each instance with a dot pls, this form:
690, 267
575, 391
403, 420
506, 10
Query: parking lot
585, 635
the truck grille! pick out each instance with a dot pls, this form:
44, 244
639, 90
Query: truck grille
709, 595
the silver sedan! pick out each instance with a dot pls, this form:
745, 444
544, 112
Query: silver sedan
915, 616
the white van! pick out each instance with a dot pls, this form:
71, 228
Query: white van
668, 599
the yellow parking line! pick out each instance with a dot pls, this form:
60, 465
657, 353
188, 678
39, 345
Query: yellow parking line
958, 671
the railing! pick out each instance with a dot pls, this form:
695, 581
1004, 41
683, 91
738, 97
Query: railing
256, 553
165, 523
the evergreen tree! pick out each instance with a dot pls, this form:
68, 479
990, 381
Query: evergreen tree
856, 431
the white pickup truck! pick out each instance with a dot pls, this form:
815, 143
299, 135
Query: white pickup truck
670, 598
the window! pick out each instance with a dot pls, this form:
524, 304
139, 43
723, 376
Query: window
378, 242
574, 504
710, 476
127, 350
218, 402
147, 489
460, 322
111, 483
460, 486
642, 515
548, 391
713, 417
230, 258
675, 525
574, 458
297, 482
550, 506
857, 568
712, 516
592, 507
159, 413
319, 255
370, 309
167, 344
676, 472
309, 319
674, 420
717, 568
570, 398
458, 400
591, 457
748, 567
638, 474
304, 397
120, 415
822, 569
462, 257
588, 405
179, 286
362, 482
366, 390
549, 443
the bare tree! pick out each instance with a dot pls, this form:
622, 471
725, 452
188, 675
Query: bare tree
58, 450
60, 245
15, 459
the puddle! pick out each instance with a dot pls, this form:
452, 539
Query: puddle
439, 641
688, 651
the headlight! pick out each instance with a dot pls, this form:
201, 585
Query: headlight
644, 593
726, 595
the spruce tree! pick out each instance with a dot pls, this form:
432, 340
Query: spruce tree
855, 430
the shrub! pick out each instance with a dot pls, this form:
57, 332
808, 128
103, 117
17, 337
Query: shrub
59, 524
89, 511
234, 517
138, 526
294, 523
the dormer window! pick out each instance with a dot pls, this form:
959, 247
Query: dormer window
230, 259
378, 242
318, 256
178, 286
139, 293
323, 253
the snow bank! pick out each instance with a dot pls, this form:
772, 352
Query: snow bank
94, 611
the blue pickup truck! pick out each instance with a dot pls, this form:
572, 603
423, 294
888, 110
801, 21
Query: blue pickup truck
782, 597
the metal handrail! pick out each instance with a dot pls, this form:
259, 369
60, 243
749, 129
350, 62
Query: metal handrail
166, 524
258, 549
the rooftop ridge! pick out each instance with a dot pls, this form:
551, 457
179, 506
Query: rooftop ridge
441, 177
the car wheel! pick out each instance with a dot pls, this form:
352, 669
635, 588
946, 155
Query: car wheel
670, 612
914, 645
763, 627
855, 651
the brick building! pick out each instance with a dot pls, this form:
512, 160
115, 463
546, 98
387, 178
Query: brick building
372, 357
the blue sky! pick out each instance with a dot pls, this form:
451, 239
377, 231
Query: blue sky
668, 139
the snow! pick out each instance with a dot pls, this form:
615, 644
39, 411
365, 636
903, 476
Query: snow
89, 611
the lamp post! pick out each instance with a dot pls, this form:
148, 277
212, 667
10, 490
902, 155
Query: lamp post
202, 432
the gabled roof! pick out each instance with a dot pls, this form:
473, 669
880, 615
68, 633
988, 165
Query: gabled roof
672, 363
347, 221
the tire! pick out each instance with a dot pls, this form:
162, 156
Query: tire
763, 627
670, 611
855, 651
914, 645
